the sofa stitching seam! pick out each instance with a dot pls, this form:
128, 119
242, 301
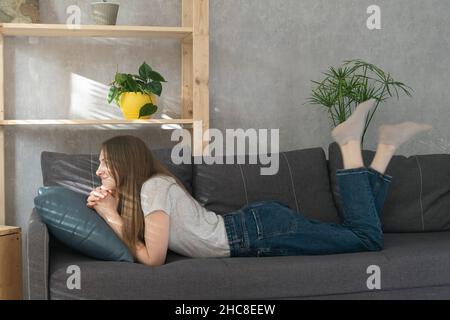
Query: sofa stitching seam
243, 181
292, 181
421, 192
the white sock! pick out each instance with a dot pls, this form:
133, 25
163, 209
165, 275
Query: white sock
397, 134
352, 128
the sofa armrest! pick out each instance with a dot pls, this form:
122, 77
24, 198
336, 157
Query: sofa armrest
38, 257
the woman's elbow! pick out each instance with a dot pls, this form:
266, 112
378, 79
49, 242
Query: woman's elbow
154, 263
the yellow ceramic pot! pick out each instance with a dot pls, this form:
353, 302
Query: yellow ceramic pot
132, 102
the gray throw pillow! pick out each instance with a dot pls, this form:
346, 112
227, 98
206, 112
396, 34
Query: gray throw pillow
70, 221
419, 196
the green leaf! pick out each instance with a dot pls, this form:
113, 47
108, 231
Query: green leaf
155, 76
112, 94
147, 110
132, 85
121, 78
142, 86
117, 100
144, 71
156, 88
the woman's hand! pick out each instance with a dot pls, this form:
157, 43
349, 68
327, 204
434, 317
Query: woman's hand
96, 195
104, 202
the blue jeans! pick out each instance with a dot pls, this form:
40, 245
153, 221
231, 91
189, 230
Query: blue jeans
271, 228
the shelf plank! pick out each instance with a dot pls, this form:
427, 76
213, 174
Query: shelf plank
67, 30
93, 122
6, 230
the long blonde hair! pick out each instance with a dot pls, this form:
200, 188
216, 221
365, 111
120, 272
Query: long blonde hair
131, 163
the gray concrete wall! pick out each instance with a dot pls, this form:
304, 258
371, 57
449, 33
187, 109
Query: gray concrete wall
264, 53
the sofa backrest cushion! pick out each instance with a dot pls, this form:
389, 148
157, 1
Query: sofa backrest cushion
301, 182
69, 220
77, 171
419, 195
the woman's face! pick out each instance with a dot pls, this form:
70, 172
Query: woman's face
103, 172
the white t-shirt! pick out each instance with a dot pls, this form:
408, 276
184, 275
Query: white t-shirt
194, 231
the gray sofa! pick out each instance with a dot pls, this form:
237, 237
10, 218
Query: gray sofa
414, 264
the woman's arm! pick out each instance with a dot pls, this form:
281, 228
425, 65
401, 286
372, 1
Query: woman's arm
153, 252
105, 204
115, 221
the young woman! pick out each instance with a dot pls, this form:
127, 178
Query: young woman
151, 211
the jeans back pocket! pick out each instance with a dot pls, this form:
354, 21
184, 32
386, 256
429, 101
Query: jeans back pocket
274, 220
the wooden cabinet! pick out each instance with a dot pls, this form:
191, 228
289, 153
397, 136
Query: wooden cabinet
10, 263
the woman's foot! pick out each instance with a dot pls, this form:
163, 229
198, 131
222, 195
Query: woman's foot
348, 135
353, 127
392, 136
397, 134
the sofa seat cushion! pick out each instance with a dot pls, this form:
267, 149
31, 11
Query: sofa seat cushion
302, 182
409, 260
419, 196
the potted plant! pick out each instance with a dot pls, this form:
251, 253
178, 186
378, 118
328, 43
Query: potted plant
104, 13
345, 87
136, 94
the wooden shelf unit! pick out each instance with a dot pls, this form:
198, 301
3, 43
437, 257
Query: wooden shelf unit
93, 122
194, 37
63, 30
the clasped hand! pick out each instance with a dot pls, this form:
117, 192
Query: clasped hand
103, 201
